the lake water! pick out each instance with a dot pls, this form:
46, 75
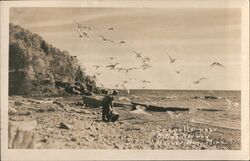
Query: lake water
227, 104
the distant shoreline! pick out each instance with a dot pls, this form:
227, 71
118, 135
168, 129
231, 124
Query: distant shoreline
229, 90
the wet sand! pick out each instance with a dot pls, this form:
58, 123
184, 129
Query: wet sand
63, 123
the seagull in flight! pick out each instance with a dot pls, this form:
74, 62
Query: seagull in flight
217, 64
178, 71
81, 30
105, 39
125, 88
172, 60
124, 82
112, 58
97, 66
129, 69
81, 27
132, 78
145, 66
199, 80
98, 74
82, 33
119, 69
117, 85
112, 66
122, 42
145, 81
138, 55
145, 59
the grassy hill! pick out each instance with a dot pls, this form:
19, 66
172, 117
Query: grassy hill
35, 65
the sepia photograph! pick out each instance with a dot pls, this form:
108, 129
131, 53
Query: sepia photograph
125, 78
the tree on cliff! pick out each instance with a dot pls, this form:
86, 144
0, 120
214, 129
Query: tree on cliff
32, 61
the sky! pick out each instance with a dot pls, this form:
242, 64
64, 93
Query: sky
194, 37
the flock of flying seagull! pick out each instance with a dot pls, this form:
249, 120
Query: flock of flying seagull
83, 32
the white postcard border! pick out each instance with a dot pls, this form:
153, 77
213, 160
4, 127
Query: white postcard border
69, 154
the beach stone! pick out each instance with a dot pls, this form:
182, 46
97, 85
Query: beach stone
116, 146
24, 113
44, 140
41, 110
58, 103
89, 128
79, 103
73, 139
52, 109
85, 139
92, 135
67, 126
18, 103
12, 111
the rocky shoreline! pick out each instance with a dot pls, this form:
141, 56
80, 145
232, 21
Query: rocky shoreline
65, 123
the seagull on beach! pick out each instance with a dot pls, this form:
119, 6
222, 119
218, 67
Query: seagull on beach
123, 86
199, 80
172, 60
230, 103
211, 91
209, 105
105, 39
217, 64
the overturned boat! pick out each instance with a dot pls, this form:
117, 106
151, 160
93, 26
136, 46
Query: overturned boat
95, 101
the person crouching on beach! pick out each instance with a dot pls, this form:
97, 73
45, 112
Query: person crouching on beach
107, 106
